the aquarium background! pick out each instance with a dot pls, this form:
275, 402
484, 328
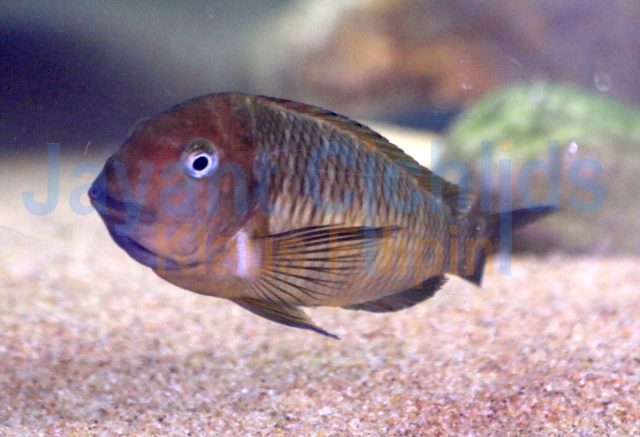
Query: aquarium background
532, 101
74, 71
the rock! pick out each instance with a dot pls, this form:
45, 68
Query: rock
564, 145
379, 57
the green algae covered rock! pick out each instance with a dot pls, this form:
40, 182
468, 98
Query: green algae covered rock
563, 145
531, 115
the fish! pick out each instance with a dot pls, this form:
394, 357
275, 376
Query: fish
278, 206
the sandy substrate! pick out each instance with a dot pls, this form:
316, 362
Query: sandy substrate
92, 342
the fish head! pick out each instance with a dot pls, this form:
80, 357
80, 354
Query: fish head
181, 185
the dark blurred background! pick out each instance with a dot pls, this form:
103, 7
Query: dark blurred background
74, 71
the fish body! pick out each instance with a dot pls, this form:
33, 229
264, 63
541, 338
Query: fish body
277, 205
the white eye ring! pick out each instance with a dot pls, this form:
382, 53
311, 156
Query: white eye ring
200, 159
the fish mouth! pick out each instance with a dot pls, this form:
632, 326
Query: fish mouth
121, 218
116, 210
145, 256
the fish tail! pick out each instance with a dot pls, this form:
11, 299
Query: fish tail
482, 234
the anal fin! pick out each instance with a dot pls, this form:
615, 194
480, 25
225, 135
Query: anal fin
403, 299
282, 313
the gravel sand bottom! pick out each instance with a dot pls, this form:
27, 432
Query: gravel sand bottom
92, 342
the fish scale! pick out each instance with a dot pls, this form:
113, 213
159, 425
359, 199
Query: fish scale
365, 284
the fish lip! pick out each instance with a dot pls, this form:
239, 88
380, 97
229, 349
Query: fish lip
145, 256
114, 209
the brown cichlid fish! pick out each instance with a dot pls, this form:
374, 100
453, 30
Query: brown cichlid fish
278, 205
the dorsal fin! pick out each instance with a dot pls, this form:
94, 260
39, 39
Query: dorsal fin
450, 193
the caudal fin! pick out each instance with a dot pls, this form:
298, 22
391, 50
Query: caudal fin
483, 237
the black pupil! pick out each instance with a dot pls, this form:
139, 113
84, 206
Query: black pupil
200, 163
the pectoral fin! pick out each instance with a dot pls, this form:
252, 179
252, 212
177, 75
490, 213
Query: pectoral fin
282, 313
307, 265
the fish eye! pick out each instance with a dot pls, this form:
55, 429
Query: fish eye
200, 158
